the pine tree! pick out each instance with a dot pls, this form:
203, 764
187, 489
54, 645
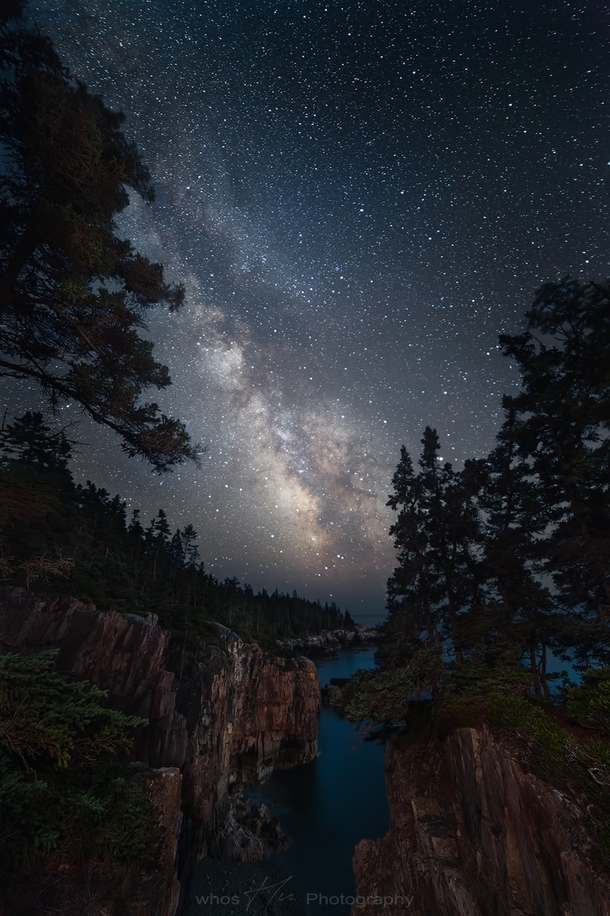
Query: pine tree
348, 621
73, 296
434, 534
156, 538
517, 606
31, 441
190, 550
136, 531
411, 593
563, 430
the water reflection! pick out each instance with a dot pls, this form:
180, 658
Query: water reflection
329, 805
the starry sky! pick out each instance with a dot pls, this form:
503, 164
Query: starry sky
359, 195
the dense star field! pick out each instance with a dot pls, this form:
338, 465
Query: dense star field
358, 196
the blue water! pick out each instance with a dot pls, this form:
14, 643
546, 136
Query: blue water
329, 805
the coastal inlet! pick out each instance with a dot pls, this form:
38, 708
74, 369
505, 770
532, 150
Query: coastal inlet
325, 807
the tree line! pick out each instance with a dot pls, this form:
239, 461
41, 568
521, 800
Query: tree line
508, 560
67, 538
74, 298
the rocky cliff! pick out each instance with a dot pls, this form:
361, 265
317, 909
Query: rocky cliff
330, 642
472, 834
217, 714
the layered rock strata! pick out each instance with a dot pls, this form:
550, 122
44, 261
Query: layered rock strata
217, 715
473, 834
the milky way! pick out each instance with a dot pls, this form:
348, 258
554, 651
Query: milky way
358, 197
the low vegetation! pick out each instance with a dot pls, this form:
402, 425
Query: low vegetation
502, 566
63, 792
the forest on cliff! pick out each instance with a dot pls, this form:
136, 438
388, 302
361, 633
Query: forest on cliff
504, 564
74, 300
502, 573
501, 566
63, 538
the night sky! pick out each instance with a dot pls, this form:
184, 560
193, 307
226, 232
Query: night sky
358, 196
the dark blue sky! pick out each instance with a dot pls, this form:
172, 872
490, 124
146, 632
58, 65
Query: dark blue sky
359, 196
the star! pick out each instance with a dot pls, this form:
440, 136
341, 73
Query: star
357, 204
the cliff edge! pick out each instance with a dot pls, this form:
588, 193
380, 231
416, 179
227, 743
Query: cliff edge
473, 834
217, 714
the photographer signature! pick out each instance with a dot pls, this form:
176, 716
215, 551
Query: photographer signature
277, 894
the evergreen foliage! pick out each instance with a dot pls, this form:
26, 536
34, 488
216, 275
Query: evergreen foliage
380, 694
73, 296
589, 702
508, 558
68, 539
563, 433
512, 587
61, 789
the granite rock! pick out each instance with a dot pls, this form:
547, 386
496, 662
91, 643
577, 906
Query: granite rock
217, 715
473, 834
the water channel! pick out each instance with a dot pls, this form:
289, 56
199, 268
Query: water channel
327, 806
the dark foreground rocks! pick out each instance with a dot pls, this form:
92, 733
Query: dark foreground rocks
246, 833
218, 715
473, 834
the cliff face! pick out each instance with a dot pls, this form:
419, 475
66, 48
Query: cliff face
244, 717
216, 714
474, 835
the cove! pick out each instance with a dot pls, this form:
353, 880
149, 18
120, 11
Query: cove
327, 806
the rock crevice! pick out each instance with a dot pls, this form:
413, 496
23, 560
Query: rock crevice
473, 834
217, 715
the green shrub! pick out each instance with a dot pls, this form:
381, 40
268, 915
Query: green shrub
378, 695
590, 701
61, 787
